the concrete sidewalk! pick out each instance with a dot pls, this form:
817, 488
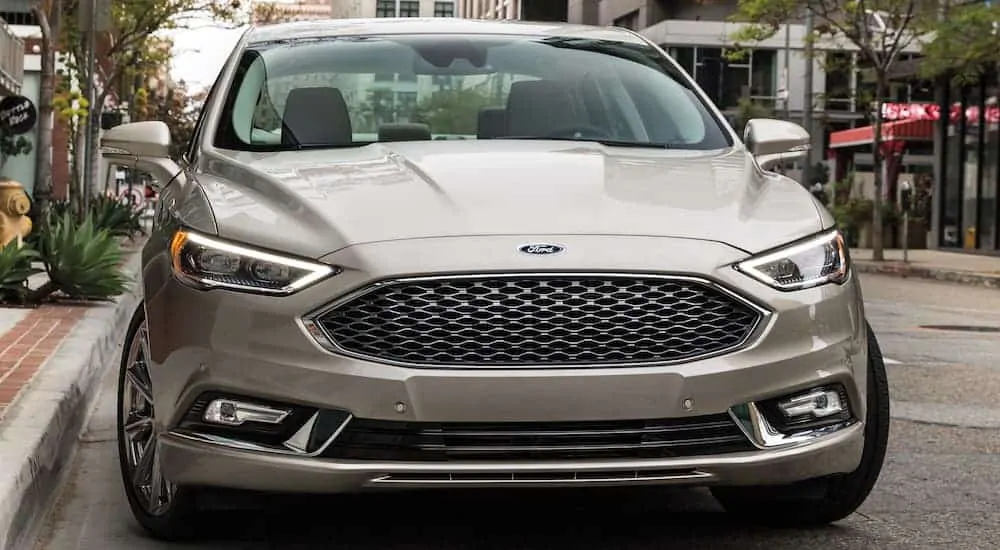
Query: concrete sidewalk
52, 359
954, 267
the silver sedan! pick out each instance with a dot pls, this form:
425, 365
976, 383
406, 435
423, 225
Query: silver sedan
415, 253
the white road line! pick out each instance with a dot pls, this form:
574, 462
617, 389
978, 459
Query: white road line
891, 361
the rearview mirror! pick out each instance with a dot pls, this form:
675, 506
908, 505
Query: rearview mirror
774, 141
144, 145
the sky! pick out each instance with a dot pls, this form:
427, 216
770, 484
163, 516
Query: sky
199, 54
201, 49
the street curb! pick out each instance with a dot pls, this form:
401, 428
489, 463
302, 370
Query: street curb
41, 430
899, 269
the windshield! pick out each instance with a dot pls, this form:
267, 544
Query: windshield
354, 91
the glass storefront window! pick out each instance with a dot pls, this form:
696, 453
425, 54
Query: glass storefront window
970, 181
991, 172
988, 208
951, 207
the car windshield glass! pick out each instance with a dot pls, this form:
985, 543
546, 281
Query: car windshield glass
354, 91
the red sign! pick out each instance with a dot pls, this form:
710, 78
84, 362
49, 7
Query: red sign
932, 111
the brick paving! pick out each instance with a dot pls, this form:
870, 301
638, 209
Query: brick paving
26, 346
30, 341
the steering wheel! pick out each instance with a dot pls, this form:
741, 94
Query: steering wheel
582, 131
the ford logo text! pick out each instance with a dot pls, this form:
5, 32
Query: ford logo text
539, 249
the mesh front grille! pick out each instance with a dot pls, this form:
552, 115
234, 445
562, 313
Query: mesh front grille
366, 439
540, 320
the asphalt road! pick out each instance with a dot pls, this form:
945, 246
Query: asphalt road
940, 487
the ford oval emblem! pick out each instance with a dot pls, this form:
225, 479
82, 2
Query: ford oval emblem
539, 249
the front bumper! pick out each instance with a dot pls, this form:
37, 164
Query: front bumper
197, 463
257, 346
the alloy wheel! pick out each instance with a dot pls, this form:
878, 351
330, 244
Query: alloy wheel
138, 431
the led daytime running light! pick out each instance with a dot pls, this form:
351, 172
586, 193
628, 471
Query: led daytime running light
314, 271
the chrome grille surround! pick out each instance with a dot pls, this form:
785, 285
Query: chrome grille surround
571, 320
403, 441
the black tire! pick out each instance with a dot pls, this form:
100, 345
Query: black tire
177, 522
825, 500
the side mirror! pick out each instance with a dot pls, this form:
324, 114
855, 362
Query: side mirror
150, 138
144, 145
774, 141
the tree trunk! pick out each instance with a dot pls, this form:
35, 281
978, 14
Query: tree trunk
94, 159
43, 156
878, 254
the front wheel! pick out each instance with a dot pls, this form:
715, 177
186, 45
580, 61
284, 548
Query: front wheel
825, 500
164, 509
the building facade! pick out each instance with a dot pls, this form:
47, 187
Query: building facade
265, 12
21, 65
490, 9
966, 118
11, 60
270, 11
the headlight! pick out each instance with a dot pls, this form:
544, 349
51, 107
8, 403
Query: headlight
206, 262
812, 262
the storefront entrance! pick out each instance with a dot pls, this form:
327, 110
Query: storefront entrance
969, 177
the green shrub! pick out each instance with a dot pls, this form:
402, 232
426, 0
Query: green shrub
110, 213
82, 261
15, 269
59, 208
117, 216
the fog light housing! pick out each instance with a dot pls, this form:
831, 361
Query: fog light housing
817, 404
814, 408
230, 412
244, 418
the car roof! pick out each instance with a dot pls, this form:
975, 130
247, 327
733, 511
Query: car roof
316, 28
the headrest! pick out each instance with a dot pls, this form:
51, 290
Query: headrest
492, 122
539, 107
404, 131
316, 116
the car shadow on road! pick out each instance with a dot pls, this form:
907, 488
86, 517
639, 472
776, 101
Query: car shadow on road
595, 518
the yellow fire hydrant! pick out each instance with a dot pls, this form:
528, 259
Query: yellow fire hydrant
14, 206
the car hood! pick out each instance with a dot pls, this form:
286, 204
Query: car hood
312, 203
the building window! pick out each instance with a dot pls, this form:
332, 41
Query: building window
684, 57
19, 18
727, 80
735, 80
628, 21
763, 73
444, 9
838, 67
409, 8
385, 8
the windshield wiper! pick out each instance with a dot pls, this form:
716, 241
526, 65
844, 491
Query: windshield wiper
608, 142
315, 146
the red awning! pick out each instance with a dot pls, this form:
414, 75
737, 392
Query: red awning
898, 130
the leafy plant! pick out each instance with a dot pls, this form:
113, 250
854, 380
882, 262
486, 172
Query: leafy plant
747, 109
57, 209
12, 146
116, 216
82, 261
40, 220
15, 269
